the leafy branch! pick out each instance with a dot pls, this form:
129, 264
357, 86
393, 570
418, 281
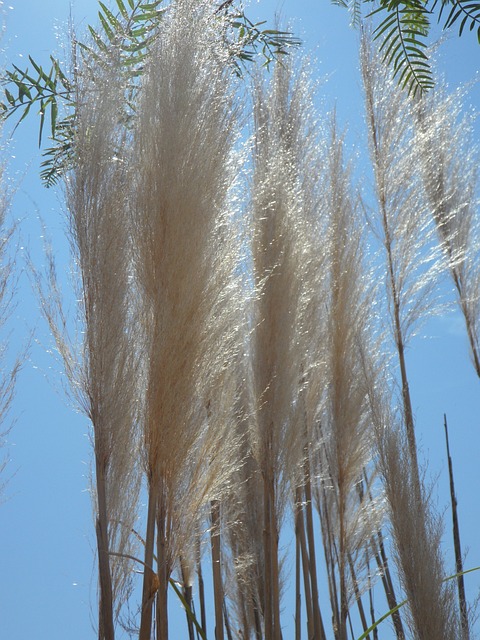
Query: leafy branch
404, 29
123, 38
269, 43
468, 12
403, 32
44, 90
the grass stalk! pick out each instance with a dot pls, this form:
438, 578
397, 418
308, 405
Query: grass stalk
218, 593
298, 593
267, 545
201, 589
319, 630
228, 628
329, 548
302, 542
102, 372
462, 600
378, 546
277, 629
388, 240
163, 569
358, 596
449, 165
372, 608
106, 628
149, 586
404, 229
188, 595
385, 575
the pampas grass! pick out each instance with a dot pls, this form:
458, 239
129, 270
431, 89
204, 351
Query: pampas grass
185, 260
449, 164
346, 448
231, 355
102, 370
401, 224
282, 255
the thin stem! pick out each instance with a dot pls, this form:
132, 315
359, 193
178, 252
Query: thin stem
267, 535
106, 630
298, 595
162, 569
382, 563
216, 569
457, 545
358, 596
187, 594
300, 535
201, 590
317, 618
148, 592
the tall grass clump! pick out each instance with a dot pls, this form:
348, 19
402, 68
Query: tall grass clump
347, 515
400, 222
102, 368
233, 359
281, 257
415, 529
449, 164
185, 257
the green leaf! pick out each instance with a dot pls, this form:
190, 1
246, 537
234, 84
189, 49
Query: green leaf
113, 20
133, 60
53, 115
188, 611
89, 51
150, 6
122, 9
42, 122
24, 115
63, 78
106, 27
9, 97
23, 91
384, 617
97, 39
152, 16
140, 17
37, 68
138, 32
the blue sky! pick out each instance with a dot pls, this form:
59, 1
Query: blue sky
47, 570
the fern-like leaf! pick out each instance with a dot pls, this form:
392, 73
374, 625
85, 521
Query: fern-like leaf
58, 158
37, 88
464, 13
403, 33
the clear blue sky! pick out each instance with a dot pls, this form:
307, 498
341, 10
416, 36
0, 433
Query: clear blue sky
47, 570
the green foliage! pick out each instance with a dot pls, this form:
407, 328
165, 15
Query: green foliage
404, 28
58, 157
355, 9
37, 88
402, 33
123, 38
466, 13
252, 40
